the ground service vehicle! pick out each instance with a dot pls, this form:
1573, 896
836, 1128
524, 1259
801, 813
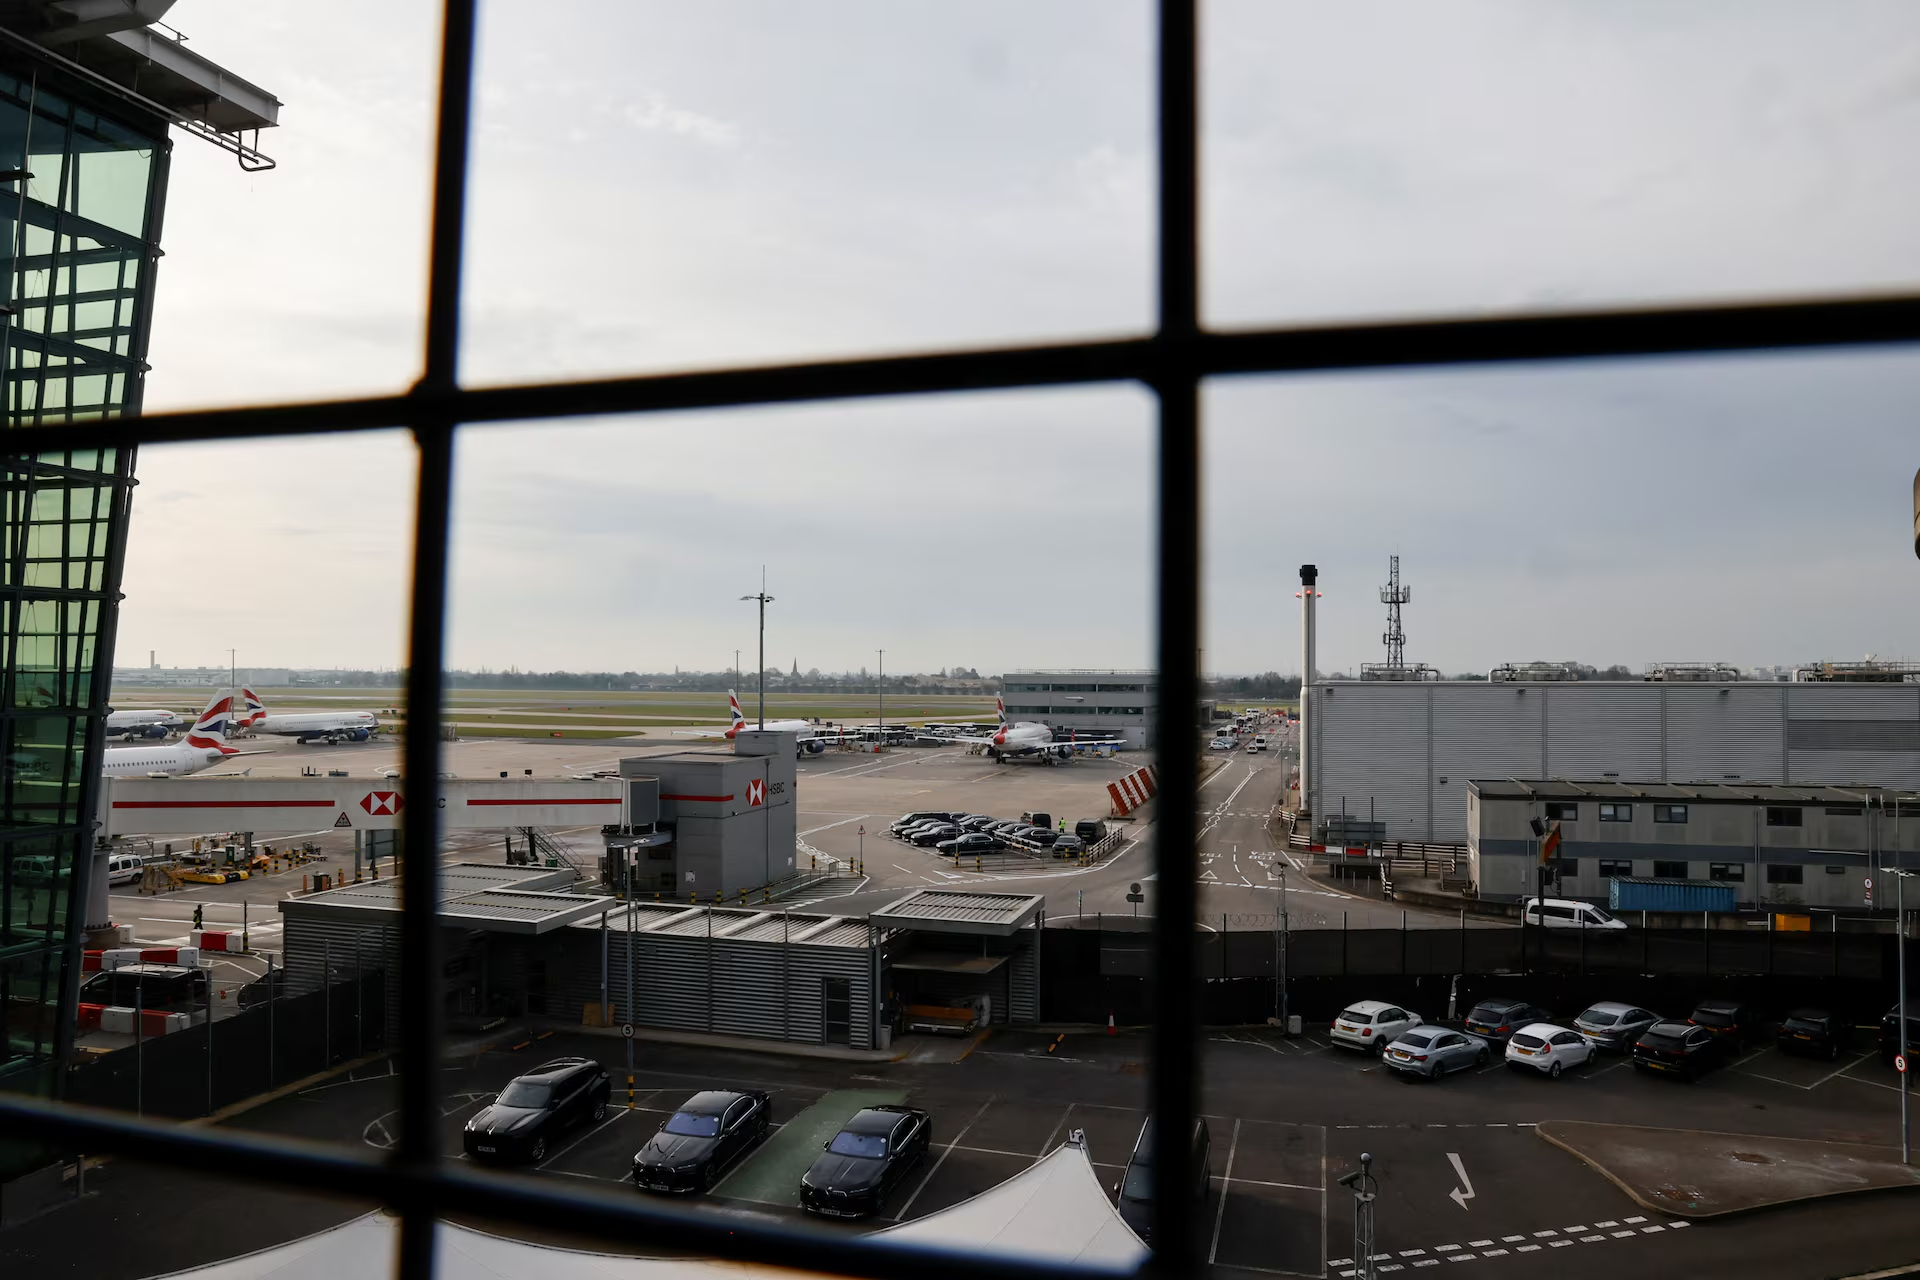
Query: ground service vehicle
1136, 1187
1613, 1025
1091, 830
1220, 744
124, 868
1259, 743
1676, 1048
1427, 1053
1567, 913
1814, 1032
534, 1109
1495, 1020
1372, 1025
172, 988
1548, 1049
701, 1140
870, 1156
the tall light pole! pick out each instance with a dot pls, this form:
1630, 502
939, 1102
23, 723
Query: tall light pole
1903, 1039
764, 600
883, 695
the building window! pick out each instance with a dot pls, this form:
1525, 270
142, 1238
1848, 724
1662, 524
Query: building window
1726, 871
1566, 868
1784, 872
1778, 816
1558, 811
1615, 868
1616, 813
1670, 813
1845, 811
1669, 870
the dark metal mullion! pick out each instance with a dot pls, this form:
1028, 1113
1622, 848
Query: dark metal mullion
342, 1170
1175, 1014
1665, 331
418, 1150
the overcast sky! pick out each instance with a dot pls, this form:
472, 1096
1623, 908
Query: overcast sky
667, 186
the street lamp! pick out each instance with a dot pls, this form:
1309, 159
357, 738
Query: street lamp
764, 600
1902, 1041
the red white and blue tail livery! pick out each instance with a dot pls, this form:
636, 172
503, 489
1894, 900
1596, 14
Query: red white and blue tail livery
204, 744
1029, 739
810, 738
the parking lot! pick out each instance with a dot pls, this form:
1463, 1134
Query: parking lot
1463, 1178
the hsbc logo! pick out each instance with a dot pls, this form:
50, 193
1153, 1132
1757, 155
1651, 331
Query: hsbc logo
756, 793
382, 804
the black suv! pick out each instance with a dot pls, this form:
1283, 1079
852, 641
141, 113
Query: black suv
710, 1131
1890, 1037
867, 1159
536, 1108
1136, 1188
1816, 1032
170, 988
1496, 1020
1733, 1022
1676, 1048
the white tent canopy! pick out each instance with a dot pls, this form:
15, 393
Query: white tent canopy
1054, 1210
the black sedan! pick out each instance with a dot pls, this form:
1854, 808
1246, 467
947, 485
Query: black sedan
926, 837
1676, 1048
870, 1156
971, 842
1814, 1032
1733, 1022
701, 1140
536, 1108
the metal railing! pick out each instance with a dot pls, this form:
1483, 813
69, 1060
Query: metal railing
413, 1177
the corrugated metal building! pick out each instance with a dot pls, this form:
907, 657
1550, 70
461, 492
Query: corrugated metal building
1777, 847
731, 814
1406, 750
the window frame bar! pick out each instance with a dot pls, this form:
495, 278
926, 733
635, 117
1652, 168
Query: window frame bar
1172, 362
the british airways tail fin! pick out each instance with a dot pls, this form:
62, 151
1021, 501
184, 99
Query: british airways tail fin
739, 721
251, 710
210, 730
1000, 709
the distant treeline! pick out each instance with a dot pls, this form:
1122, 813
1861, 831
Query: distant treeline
960, 680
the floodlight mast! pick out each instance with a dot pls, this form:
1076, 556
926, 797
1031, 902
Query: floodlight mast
764, 600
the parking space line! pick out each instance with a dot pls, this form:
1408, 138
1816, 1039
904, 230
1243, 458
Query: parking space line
902, 1215
1048, 1144
613, 1113
1256, 1182
1323, 1196
1220, 1211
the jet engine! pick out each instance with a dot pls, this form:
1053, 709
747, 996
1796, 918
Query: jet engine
154, 731
1063, 753
813, 746
359, 735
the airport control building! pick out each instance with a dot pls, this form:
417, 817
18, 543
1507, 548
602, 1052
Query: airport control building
88, 98
1399, 754
1120, 704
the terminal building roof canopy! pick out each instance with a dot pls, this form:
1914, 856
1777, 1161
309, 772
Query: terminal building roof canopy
960, 911
115, 42
523, 900
1684, 792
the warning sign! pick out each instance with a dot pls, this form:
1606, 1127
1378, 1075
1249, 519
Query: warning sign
756, 793
341, 821
382, 803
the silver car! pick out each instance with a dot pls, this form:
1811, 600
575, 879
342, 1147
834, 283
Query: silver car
1431, 1052
1613, 1025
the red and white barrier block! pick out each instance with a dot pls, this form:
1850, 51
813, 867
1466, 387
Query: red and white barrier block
151, 1022
1134, 789
216, 939
113, 959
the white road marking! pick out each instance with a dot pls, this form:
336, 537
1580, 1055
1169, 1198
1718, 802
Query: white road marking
1220, 1212
1466, 1186
902, 1215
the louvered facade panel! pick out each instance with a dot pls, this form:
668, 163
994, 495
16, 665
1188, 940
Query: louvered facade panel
1373, 752
1023, 995
1857, 768
1602, 730
1480, 731
1726, 733
1817, 701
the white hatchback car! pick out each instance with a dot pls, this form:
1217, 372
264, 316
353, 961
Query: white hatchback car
1548, 1049
1372, 1024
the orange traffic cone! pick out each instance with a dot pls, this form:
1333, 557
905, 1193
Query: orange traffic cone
1110, 1030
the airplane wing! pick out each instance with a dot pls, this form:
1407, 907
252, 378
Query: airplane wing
702, 733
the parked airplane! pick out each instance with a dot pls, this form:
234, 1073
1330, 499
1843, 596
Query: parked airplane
812, 738
150, 723
331, 726
1028, 738
204, 744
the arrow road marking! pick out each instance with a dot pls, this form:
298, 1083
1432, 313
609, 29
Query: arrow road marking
1453, 1157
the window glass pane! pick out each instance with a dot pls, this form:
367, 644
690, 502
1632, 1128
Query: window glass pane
741, 183
1421, 160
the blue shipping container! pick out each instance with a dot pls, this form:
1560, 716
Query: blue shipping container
1634, 893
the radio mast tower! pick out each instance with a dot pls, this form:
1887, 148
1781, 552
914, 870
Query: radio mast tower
1393, 595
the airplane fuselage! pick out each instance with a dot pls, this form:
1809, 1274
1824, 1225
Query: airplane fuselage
351, 726
180, 758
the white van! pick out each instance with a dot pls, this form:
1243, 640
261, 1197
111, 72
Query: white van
1566, 913
1259, 743
124, 868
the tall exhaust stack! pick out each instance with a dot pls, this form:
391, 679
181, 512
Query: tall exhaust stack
1309, 575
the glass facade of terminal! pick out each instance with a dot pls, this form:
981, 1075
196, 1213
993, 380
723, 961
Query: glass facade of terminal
80, 195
